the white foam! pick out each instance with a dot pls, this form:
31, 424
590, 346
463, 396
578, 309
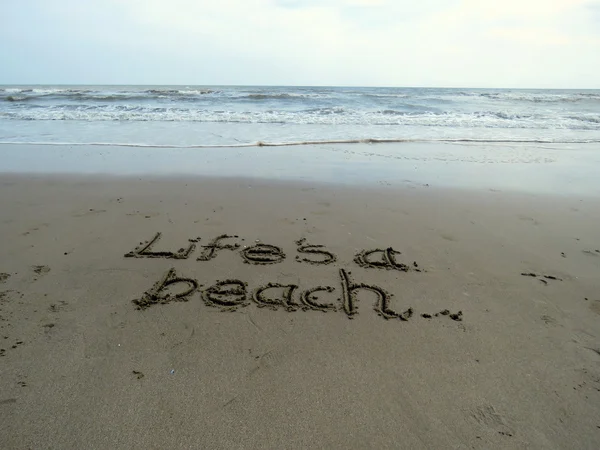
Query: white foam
319, 116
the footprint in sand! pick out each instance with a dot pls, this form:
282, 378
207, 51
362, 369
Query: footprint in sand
548, 320
90, 212
145, 215
4, 276
62, 305
269, 360
31, 230
288, 221
488, 416
448, 237
41, 270
528, 219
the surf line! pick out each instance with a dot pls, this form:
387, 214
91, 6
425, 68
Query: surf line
305, 143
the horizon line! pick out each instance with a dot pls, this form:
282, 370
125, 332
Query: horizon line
299, 86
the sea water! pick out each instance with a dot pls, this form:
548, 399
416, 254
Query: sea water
198, 116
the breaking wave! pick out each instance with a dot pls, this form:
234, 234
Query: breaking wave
313, 116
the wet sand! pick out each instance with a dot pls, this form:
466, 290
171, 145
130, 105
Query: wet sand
329, 316
562, 169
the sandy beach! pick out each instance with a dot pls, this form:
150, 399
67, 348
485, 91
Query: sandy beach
156, 311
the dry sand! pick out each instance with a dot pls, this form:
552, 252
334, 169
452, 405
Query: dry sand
81, 367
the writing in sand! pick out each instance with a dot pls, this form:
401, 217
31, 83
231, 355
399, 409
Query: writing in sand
231, 294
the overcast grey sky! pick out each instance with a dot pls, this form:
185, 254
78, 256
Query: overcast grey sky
468, 43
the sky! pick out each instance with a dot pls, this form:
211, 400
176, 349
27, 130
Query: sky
437, 43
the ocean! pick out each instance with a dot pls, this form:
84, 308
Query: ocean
199, 116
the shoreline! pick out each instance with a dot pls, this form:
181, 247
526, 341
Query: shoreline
459, 141
551, 169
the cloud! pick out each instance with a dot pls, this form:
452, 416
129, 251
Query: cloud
339, 42
332, 3
532, 36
